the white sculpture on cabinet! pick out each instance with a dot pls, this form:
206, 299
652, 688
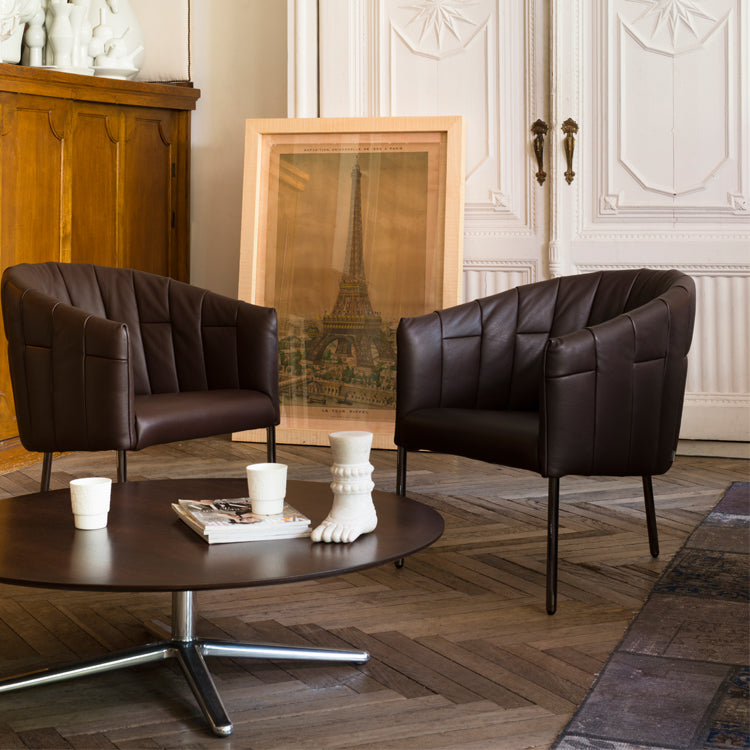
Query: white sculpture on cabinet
14, 15
75, 36
117, 45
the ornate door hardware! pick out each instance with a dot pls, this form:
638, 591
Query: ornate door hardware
539, 129
570, 128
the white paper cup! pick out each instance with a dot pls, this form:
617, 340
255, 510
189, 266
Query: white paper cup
89, 499
266, 488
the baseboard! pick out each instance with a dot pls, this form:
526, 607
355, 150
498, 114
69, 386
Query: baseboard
714, 448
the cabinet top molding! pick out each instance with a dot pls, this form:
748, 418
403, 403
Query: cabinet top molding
22, 79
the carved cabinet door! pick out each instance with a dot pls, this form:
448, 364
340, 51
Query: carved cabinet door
645, 158
95, 191
148, 182
34, 198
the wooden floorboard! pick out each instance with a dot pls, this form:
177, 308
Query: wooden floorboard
463, 654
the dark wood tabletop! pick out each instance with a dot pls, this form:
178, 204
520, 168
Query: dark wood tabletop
146, 547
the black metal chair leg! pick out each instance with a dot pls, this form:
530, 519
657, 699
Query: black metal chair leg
271, 444
653, 534
401, 471
46, 472
400, 485
553, 512
122, 466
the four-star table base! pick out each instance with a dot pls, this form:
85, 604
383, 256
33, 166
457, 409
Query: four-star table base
185, 646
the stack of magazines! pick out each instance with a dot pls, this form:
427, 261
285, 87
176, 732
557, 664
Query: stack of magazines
234, 521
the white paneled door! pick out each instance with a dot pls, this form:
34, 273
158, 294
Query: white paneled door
646, 154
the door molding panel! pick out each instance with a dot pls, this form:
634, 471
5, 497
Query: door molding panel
662, 151
381, 58
467, 71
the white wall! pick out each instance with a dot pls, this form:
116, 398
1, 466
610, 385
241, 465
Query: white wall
239, 64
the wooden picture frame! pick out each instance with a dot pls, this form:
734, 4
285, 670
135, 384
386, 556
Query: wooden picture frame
348, 224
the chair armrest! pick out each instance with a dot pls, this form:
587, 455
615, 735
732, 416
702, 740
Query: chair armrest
419, 348
71, 376
258, 360
239, 342
606, 406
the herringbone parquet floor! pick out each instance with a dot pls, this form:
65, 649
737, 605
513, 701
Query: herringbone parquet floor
464, 656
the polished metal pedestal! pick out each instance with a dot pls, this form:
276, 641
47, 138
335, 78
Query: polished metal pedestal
189, 650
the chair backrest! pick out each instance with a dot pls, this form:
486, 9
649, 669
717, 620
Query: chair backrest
548, 309
493, 347
180, 336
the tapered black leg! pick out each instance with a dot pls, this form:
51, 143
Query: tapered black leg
271, 444
46, 471
122, 466
653, 534
400, 484
401, 471
553, 512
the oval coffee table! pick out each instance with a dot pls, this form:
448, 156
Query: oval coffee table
146, 547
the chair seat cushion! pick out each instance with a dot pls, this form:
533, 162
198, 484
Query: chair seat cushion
169, 417
510, 438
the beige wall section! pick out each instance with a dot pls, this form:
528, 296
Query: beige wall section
239, 64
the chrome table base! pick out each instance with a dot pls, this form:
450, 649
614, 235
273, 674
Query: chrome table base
189, 650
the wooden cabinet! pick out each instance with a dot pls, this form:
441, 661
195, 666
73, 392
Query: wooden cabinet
91, 170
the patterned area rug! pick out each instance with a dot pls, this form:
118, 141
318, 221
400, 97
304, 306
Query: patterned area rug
680, 680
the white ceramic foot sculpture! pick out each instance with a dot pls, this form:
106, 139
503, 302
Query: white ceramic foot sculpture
353, 512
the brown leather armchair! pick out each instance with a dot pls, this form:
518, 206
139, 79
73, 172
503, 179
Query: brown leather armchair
114, 359
576, 375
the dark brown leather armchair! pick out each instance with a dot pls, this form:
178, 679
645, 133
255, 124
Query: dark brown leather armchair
576, 375
114, 359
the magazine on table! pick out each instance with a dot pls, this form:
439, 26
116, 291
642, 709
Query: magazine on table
233, 520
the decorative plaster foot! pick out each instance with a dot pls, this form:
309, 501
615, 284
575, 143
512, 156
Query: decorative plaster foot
350, 517
353, 512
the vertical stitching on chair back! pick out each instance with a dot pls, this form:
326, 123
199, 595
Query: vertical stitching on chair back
157, 331
442, 358
117, 287
534, 321
84, 384
480, 362
460, 342
63, 282
220, 328
200, 357
514, 351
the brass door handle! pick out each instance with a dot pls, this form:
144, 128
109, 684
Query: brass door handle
539, 129
570, 128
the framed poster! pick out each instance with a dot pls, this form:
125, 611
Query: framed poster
347, 226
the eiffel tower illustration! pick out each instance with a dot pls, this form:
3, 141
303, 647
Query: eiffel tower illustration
353, 326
